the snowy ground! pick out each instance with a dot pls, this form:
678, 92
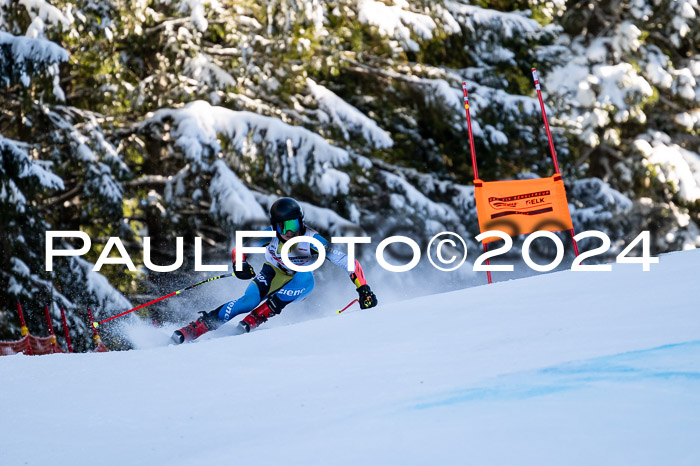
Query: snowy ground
558, 369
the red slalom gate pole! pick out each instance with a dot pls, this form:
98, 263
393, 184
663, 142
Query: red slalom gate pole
49, 324
471, 146
546, 123
573, 240
66, 330
469, 130
95, 335
551, 142
23, 330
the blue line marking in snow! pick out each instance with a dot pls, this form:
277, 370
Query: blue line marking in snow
678, 362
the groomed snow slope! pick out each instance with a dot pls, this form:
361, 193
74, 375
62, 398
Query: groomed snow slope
565, 368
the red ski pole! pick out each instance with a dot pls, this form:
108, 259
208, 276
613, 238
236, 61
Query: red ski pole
96, 324
340, 311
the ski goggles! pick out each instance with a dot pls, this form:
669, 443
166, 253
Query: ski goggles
293, 225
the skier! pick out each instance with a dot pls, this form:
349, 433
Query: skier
276, 284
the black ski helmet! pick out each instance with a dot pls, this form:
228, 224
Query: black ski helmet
286, 208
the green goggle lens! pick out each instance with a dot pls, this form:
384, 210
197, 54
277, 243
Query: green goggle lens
288, 225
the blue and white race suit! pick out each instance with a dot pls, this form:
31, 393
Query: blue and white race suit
285, 285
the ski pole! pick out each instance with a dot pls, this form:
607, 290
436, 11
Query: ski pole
351, 303
95, 324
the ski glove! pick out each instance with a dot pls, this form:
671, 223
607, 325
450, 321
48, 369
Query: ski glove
367, 298
247, 272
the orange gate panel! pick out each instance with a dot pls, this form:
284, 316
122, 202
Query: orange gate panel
518, 207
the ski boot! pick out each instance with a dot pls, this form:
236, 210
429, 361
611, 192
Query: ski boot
207, 322
259, 315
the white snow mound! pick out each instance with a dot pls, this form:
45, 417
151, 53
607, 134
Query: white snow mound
564, 368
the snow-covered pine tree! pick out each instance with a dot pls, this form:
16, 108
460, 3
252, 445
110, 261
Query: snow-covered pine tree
628, 94
57, 172
187, 117
379, 82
